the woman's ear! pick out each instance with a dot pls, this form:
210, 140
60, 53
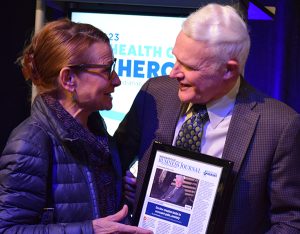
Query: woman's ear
232, 69
67, 79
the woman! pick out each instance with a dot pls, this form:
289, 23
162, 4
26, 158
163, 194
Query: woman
57, 172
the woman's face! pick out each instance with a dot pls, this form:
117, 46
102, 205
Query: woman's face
94, 86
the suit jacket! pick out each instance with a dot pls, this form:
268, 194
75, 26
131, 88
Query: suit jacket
176, 197
263, 141
160, 187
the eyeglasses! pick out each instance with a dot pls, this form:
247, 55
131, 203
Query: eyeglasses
85, 66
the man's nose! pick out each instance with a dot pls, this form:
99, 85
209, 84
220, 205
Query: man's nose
176, 71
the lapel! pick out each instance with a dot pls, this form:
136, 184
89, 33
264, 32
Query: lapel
242, 127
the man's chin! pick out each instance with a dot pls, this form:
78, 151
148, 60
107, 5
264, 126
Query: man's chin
184, 98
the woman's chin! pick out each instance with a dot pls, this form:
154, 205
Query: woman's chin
106, 106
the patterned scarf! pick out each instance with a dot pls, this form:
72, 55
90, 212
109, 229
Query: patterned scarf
95, 150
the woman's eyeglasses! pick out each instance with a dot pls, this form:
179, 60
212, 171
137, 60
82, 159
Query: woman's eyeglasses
85, 66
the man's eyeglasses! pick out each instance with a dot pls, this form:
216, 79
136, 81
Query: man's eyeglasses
85, 66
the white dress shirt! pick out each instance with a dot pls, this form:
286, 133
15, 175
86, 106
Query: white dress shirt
215, 130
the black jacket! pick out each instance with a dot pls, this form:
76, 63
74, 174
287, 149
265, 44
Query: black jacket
24, 167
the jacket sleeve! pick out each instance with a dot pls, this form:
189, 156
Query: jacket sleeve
129, 133
285, 181
23, 179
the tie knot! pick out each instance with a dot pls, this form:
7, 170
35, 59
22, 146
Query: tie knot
201, 111
197, 108
190, 133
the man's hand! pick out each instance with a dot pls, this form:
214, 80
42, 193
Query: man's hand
110, 224
129, 187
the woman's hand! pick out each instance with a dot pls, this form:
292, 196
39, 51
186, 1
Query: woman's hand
110, 224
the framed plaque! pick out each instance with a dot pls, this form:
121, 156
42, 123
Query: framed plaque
183, 192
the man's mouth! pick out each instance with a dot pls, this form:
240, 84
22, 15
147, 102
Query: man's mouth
183, 86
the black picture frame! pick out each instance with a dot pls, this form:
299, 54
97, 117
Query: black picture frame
164, 211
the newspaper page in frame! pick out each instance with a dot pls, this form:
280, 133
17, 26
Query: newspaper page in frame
184, 193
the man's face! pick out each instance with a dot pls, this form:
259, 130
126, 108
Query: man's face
178, 181
200, 76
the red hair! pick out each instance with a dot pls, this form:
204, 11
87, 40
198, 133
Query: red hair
56, 45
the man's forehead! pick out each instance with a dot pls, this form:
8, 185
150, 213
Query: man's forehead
190, 52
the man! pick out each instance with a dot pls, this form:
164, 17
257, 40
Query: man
175, 193
161, 182
259, 134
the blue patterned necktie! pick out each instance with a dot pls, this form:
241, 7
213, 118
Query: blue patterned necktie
190, 134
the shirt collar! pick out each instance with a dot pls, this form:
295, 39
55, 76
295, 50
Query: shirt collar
219, 109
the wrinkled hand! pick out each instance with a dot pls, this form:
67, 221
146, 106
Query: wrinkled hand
129, 187
110, 224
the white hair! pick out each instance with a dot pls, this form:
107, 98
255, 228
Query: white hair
222, 29
181, 177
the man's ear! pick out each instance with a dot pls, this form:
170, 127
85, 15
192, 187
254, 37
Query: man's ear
232, 69
67, 79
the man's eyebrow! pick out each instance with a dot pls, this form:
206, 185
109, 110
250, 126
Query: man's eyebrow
183, 63
194, 67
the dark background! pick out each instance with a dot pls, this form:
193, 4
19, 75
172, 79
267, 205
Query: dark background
17, 22
273, 64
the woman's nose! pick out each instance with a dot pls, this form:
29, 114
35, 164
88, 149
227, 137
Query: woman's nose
115, 79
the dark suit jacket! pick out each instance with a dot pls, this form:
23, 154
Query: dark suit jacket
158, 188
263, 141
176, 198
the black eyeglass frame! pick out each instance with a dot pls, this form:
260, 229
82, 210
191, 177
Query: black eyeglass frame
84, 66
